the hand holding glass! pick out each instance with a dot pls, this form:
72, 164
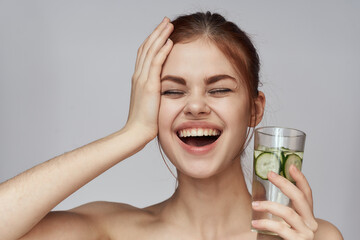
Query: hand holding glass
275, 149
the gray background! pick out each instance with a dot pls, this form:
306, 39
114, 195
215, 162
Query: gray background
65, 70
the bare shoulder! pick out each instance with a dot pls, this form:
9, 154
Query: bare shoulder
84, 222
104, 212
102, 208
327, 230
97, 220
118, 220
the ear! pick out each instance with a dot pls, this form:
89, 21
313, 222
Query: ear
257, 112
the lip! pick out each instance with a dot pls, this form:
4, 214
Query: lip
194, 149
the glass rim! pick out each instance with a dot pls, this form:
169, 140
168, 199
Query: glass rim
300, 133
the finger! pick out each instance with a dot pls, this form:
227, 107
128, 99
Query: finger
155, 48
140, 50
148, 42
281, 228
302, 184
140, 57
286, 213
297, 197
158, 61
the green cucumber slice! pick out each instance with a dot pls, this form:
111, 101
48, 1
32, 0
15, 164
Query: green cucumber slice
300, 154
284, 149
257, 153
265, 163
292, 159
278, 152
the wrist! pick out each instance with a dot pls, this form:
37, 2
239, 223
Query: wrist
140, 132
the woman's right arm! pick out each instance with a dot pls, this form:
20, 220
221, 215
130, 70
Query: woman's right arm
27, 198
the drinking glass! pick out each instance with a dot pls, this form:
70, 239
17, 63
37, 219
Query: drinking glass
275, 149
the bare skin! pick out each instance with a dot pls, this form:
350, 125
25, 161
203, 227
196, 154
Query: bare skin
215, 206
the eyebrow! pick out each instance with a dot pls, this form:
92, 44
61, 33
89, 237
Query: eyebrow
208, 80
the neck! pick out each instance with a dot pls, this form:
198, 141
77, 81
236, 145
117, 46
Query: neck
220, 204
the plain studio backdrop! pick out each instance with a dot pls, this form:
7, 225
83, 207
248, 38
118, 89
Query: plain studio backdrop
65, 73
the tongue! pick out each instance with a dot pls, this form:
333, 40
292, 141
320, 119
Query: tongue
199, 141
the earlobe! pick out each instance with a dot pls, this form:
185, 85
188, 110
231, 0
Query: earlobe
257, 111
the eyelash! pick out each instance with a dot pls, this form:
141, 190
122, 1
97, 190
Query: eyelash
213, 91
220, 91
172, 92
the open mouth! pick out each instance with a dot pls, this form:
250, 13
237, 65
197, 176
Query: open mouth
199, 137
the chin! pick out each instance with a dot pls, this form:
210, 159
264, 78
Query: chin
199, 170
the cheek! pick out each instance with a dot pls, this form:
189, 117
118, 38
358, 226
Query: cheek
240, 116
167, 113
233, 111
236, 118
236, 115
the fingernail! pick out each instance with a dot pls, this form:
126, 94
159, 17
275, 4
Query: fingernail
167, 20
254, 222
168, 41
255, 204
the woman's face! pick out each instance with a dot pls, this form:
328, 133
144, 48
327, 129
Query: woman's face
201, 95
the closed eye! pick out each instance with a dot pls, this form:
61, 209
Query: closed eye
219, 91
172, 93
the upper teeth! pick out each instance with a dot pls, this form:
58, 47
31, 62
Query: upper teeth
198, 132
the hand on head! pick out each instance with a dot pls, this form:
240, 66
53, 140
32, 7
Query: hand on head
145, 90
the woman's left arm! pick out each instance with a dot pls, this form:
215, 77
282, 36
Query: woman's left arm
299, 221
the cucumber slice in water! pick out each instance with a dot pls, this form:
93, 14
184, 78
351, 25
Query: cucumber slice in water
257, 153
279, 152
284, 149
300, 154
292, 159
265, 163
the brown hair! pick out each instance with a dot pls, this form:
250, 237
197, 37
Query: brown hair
232, 42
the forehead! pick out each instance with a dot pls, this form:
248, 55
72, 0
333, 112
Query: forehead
197, 59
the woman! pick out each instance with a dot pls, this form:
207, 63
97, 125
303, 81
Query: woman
198, 93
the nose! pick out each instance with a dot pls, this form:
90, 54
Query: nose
196, 106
